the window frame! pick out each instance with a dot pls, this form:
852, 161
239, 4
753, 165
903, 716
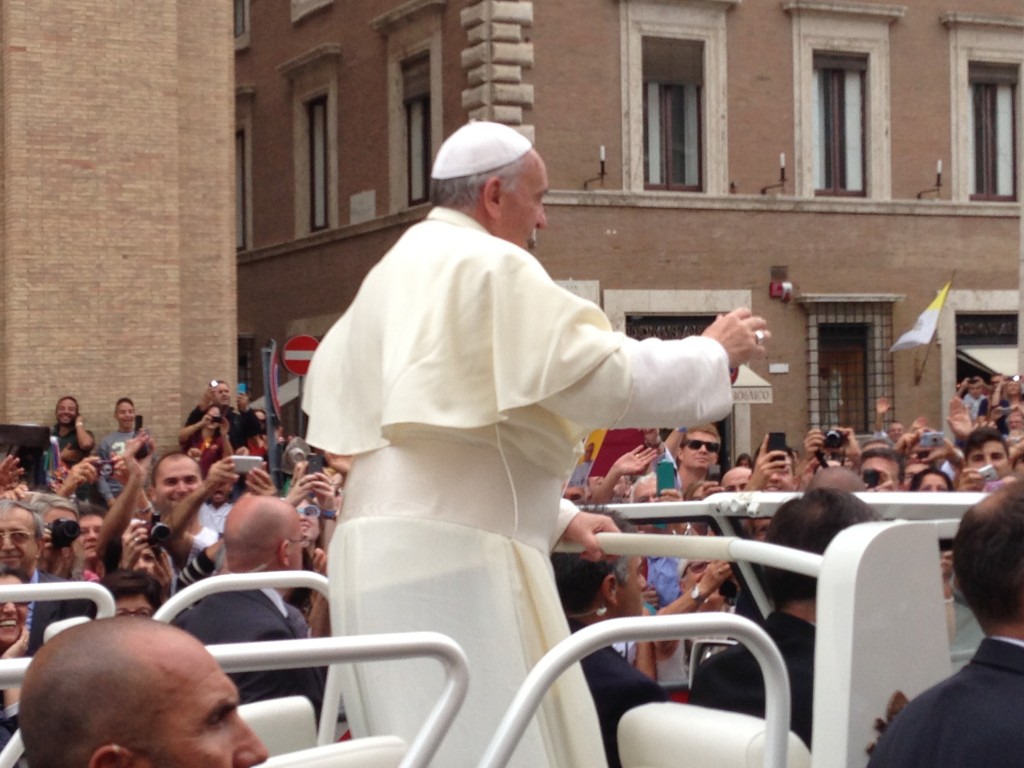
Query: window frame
318, 126
666, 137
417, 140
242, 193
703, 22
875, 313
843, 29
838, 68
314, 75
989, 79
984, 40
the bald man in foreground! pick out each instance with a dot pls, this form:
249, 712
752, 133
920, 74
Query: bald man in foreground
132, 692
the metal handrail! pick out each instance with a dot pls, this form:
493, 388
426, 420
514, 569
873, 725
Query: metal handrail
647, 628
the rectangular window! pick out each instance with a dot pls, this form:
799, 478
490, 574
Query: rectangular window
849, 364
842, 371
839, 98
317, 112
240, 17
993, 131
673, 76
241, 192
416, 100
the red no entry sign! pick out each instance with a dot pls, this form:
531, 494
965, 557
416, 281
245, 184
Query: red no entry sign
298, 351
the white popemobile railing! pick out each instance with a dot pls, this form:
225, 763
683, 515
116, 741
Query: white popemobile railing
880, 624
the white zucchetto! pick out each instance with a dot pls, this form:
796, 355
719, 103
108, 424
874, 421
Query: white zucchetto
476, 147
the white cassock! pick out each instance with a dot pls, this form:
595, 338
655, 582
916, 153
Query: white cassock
463, 378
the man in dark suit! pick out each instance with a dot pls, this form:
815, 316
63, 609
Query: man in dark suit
972, 719
732, 679
261, 533
594, 591
21, 539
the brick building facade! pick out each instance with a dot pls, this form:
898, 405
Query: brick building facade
662, 124
118, 275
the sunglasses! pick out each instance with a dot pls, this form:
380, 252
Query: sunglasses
695, 445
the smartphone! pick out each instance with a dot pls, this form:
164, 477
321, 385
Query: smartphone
245, 464
715, 472
138, 422
776, 441
931, 440
872, 477
666, 472
315, 463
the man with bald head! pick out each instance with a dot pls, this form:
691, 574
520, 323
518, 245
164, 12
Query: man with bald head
462, 379
261, 534
132, 692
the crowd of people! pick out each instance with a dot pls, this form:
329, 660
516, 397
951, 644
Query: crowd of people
460, 379
829, 466
145, 524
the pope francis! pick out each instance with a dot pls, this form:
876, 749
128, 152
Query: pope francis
462, 379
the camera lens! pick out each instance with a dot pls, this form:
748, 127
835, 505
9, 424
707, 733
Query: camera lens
833, 438
159, 533
63, 531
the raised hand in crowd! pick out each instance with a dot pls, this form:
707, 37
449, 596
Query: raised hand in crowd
84, 472
258, 481
959, 419
10, 473
634, 462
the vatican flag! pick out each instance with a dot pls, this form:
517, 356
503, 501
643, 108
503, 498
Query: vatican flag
924, 328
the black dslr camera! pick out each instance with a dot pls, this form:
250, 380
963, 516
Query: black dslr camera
63, 531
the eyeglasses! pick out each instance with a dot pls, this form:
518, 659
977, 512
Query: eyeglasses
309, 510
695, 445
17, 538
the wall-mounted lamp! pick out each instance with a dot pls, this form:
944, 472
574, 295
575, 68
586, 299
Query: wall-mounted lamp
782, 176
600, 175
938, 182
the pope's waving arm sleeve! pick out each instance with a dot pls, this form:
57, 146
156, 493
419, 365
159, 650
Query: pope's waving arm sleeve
651, 383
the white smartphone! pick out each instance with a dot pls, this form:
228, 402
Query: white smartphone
245, 464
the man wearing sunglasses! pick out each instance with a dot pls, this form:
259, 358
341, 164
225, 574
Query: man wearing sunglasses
21, 539
697, 452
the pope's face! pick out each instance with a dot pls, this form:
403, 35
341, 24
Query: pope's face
521, 210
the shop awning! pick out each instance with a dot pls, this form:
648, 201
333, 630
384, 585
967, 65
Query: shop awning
992, 359
750, 388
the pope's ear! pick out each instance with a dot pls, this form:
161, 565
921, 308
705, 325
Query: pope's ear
490, 196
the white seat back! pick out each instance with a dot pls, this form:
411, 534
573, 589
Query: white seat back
284, 725
371, 752
881, 626
667, 735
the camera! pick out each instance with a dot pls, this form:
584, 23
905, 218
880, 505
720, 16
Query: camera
988, 473
159, 533
931, 440
105, 468
834, 439
872, 477
63, 531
